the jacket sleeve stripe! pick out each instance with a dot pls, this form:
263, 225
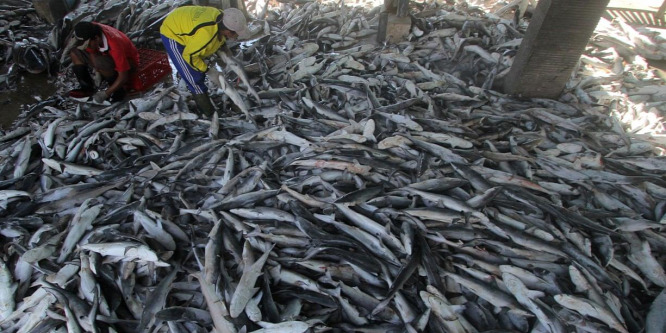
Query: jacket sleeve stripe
199, 50
197, 28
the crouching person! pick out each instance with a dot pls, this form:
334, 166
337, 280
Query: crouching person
109, 52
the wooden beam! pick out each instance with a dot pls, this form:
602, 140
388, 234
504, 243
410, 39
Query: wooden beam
554, 41
660, 13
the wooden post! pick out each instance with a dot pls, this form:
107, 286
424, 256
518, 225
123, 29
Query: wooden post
53, 10
394, 21
381, 29
553, 43
403, 8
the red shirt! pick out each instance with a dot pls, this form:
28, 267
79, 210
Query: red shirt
119, 47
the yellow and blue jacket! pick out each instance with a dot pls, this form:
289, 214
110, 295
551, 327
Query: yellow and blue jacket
196, 29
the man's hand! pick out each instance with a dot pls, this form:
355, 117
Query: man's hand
100, 97
214, 76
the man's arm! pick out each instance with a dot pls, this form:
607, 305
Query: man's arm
118, 83
225, 48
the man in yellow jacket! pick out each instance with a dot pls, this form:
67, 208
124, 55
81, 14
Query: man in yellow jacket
192, 33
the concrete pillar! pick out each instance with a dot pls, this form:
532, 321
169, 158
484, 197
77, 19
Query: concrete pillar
554, 41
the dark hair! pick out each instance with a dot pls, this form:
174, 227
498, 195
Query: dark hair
86, 30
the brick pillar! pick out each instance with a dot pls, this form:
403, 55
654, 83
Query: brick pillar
555, 39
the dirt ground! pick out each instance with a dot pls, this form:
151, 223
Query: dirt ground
31, 89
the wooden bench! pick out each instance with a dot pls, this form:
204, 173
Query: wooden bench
639, 17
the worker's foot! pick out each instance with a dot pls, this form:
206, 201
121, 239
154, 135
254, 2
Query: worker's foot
81, 93
204, 104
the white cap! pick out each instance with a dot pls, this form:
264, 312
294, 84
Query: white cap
234, 20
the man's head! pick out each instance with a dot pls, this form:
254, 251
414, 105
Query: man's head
87, 31
233, 23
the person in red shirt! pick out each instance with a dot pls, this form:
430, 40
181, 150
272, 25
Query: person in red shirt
108, 51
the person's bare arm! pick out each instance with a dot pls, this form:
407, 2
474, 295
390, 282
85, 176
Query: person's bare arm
118, 83
225, 48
